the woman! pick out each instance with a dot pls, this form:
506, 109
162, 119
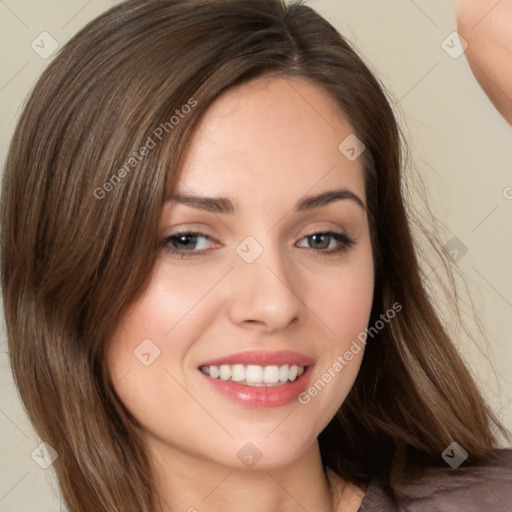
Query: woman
211, 290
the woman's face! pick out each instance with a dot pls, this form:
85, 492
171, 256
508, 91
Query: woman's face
256, 290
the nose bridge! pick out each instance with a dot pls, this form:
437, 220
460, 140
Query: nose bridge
263, 285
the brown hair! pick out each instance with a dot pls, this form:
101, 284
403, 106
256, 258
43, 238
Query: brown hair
77, 252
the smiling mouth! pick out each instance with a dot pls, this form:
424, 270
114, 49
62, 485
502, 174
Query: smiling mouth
255, 375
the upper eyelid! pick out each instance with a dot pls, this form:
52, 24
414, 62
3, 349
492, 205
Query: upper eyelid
350, 239
202, 233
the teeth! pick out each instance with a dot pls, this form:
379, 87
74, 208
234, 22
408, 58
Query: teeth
255, 375
225, 372
271, 374
283, 373
237, 372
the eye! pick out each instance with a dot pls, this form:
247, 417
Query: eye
333, 241
185, 242
193, 243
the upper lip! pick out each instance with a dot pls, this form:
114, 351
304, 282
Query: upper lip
262, 358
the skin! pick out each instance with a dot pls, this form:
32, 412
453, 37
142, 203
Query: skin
486, 25
264, 145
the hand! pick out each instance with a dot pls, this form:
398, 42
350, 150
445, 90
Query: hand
487, 27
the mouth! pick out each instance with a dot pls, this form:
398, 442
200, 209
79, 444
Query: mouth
259, 379
255, 375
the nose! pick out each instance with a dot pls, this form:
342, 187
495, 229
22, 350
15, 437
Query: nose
262, 293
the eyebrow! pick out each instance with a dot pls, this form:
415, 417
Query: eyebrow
224, 205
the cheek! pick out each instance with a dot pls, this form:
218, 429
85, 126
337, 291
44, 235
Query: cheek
169, 309
344, 307
147, 370
146, 353
344, 298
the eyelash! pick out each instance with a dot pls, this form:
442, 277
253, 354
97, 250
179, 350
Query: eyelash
342, 238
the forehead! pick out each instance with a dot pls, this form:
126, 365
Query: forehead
271, 136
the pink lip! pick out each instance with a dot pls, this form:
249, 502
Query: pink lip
261, 358
264, 396
252, 396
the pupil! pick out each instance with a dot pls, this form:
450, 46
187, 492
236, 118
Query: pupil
316, 239
185, 240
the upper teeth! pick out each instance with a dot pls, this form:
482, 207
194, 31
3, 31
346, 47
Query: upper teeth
254, 374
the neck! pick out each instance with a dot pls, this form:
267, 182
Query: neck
189, 484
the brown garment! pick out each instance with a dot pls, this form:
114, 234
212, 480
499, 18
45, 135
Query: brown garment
485, 488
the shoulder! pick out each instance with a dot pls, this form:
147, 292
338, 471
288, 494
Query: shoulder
483, 488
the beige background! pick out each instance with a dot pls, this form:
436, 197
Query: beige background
459, 143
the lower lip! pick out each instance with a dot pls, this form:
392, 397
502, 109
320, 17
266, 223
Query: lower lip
264, 396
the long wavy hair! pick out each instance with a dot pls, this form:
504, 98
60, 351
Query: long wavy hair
79, 239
